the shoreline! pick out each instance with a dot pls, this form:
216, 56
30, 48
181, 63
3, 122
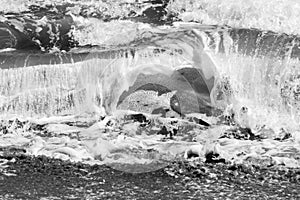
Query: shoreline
43, 177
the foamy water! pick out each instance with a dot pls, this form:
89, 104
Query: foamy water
275, 15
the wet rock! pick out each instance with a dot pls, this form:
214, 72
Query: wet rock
198, 121
163, 131
194, 151
232, 167
138, 117
283, 135
167, 133
228, 119
212, 157
191, 154
3, 129
241, 134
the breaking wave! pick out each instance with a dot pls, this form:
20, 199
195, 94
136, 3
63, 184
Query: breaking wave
86, 61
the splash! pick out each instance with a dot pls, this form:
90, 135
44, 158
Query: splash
102, 77
276, 15
250, 72
266, 83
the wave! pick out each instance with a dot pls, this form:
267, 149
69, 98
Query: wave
99, 78
87, 57
63, 25
73, 30
280, 16
250, 42
52, 26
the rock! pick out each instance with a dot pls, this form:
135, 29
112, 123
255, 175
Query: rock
167, 132
283, 135
163, 131
138, 118
191, 154
198, 121
241, 134
212, 157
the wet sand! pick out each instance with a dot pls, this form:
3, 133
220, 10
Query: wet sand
46, 178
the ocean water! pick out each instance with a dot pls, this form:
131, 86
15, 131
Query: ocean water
73, 67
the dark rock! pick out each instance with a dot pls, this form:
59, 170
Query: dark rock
3, 129
232, 167
230, 119
212, 157
138, 118
248, 133
191, 154
199, 121
163, 131
283, 136
241, 134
